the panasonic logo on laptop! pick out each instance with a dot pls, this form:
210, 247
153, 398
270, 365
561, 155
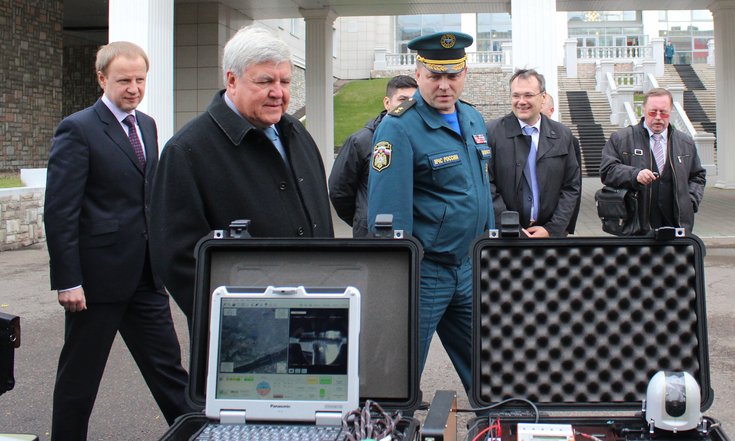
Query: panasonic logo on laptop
280, 406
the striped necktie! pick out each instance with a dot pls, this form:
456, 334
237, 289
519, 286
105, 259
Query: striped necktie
134, 140
658, 152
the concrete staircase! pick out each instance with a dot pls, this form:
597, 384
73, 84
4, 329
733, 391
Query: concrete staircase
699, 93
587, 113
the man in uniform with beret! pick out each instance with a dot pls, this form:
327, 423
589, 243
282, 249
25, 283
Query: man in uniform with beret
429, 169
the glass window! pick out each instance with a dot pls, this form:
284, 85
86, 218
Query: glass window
492, 31
685, 16
297, 28
409, 27
702, 14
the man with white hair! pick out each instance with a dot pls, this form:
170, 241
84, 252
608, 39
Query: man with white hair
244, 158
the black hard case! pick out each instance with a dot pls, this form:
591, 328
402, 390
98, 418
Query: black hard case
579, 325
386, 271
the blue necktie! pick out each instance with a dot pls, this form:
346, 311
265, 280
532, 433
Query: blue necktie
271, 133
530, 171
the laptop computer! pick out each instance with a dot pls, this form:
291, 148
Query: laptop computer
285, 357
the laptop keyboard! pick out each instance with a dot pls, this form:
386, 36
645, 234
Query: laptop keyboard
267, 432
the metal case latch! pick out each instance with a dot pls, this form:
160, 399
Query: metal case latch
238, 229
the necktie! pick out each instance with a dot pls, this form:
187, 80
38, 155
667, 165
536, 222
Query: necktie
134, 140
658, 151
531, 172
271, 133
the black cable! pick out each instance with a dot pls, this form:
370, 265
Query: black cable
492, 406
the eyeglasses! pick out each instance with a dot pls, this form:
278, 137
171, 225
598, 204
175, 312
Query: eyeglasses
654, 113
524, 96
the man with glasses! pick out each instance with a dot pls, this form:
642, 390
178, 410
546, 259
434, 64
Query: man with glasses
658, 161
534, 170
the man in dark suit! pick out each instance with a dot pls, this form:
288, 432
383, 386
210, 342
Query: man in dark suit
534, 169
102, 162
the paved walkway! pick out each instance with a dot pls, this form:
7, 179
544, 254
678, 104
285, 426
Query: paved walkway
124, 397
714, 224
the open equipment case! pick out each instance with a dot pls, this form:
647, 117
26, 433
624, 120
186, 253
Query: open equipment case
578, 326
384, 270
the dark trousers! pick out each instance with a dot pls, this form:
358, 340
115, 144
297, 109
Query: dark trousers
146, 326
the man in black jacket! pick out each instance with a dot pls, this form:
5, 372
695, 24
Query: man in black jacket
349, 178
534, 170
658, 161
244, 158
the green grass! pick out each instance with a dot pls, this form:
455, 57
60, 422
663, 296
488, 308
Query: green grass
356, 103
10, 180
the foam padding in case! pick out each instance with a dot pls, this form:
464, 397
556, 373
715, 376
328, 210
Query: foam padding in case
587, 321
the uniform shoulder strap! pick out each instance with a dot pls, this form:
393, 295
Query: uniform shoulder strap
402, 108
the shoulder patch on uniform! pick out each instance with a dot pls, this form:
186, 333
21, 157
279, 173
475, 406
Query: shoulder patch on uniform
381, 155
401, 109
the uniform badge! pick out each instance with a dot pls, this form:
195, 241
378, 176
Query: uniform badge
381, 155
448, 41
480, 139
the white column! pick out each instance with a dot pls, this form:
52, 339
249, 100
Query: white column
468, 25
151, 27
319, 82
657, 46
604, 67
677, 92
379, 63
723, 13
651, 25
507, 48
562, 34
570, 57
534, 39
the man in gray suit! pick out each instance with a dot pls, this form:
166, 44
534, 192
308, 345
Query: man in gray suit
534, 169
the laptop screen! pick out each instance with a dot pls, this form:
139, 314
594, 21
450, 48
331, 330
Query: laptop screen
283, 349
283, 353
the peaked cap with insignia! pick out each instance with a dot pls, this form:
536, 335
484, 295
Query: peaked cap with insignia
442, 52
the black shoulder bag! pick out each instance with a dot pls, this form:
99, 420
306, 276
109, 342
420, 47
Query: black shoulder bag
618, 211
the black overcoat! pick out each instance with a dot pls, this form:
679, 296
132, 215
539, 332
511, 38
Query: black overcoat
219, 168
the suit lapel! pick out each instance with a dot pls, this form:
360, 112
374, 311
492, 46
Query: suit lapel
521, 147
548, 137
114, 130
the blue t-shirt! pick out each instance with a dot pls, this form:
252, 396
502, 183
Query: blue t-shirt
452, 120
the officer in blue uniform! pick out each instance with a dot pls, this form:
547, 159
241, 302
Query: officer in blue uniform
430, 171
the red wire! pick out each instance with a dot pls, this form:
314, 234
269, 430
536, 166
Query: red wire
495, 425
483, 432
